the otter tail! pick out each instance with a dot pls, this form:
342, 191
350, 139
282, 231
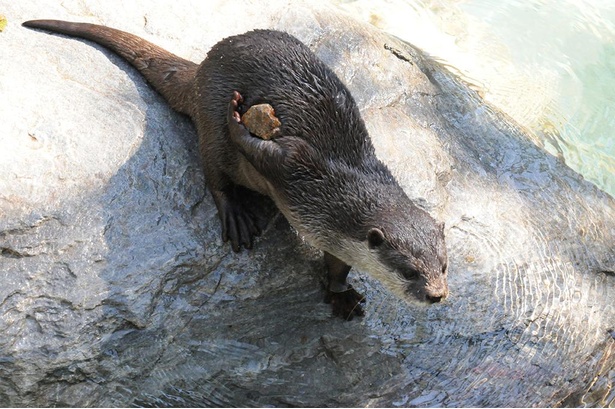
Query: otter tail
169, 74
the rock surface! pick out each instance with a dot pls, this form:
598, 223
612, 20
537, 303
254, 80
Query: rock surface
117, 291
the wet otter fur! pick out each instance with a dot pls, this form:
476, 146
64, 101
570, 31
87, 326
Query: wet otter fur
321, 172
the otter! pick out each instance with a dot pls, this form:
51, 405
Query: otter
321, 171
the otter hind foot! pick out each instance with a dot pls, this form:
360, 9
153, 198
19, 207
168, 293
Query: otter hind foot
346, 304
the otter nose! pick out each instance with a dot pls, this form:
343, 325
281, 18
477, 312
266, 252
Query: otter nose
435, 292
436, 295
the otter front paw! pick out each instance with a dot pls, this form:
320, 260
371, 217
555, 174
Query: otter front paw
238, 224
259, 120
346, 304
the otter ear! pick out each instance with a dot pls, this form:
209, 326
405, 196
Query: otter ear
375, 237
441, 226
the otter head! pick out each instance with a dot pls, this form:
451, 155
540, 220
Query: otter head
409, 257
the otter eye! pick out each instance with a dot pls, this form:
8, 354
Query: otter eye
375, 237
410, 274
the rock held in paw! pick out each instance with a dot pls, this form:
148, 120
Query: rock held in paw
261, 121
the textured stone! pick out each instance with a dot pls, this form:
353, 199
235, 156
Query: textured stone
117, 291
260, 120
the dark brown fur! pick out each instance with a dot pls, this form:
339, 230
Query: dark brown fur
321, 172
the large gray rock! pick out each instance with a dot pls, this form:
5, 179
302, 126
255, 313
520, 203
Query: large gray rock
116, 289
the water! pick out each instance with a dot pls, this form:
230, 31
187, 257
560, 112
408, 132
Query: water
549, 65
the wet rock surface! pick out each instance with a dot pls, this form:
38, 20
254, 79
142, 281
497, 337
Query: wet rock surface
117, 291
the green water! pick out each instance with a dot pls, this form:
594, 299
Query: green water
549, 64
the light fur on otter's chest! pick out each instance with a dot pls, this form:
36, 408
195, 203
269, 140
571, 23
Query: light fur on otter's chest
249, 177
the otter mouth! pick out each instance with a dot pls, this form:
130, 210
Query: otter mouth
432, 299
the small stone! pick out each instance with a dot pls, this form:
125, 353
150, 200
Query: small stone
261, 121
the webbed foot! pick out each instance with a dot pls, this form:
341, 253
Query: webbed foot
238, 224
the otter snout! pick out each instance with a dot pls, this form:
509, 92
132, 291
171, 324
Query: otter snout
434, 295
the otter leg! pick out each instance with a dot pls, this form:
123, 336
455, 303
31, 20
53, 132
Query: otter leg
345, 300
237, 223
